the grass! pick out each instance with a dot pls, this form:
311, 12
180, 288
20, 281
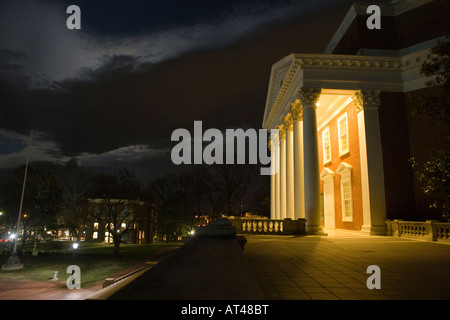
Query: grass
96, 261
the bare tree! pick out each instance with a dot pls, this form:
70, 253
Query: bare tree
228, 184
42, 200
75, 183
117, 195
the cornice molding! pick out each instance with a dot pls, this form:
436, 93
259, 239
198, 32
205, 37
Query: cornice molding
396, 74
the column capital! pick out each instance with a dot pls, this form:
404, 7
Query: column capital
309, 96
274, 140
282, 131
275, 136
288, 122
297, 111
366, 99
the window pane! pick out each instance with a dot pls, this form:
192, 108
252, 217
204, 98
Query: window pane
326, 146
347, 198
343, 134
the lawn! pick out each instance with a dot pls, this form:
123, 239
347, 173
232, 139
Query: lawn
96, 261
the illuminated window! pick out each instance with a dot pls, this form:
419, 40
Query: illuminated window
326, 145
96, 225
108, 237
345, 170
343, 135
124, 226
95, 235
347, 200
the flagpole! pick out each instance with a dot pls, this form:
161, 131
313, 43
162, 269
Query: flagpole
23, 192
13, 262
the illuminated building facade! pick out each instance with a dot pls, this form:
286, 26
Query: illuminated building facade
345, 131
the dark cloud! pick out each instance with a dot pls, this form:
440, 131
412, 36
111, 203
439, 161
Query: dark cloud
122, 110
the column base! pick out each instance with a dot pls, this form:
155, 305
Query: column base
315, 230
374, 230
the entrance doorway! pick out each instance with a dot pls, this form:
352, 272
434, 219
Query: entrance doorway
327, 176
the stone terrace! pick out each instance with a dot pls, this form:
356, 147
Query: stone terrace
334, 267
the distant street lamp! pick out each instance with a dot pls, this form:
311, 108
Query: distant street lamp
1, 238
74, 247
72, 279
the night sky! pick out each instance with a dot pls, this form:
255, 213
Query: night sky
110, 95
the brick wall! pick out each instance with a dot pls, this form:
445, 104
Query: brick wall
394, 130
353, 159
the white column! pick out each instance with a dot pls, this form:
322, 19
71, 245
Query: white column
283, 193
309, 98
272, 189
290, 198
276, 179
372, 172
299, 188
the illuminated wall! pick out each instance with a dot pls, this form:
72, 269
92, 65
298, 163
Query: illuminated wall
352, 158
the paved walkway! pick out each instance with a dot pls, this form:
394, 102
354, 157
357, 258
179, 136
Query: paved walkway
334, 267
48, 290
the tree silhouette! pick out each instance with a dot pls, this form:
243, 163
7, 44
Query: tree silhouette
434, 174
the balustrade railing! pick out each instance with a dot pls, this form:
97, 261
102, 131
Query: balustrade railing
269, 226
441, 231
429, 230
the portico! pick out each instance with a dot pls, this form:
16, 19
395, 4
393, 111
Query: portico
311, 95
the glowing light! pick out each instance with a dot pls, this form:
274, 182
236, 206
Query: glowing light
75, 245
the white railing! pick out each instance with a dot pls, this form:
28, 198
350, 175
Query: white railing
429, 230
441, 230
269, 226
262, 226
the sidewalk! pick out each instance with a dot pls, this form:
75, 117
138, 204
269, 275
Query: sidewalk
48, 290
334, 267
329, 267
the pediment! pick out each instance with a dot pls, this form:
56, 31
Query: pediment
326, 173
344, 168
277, 83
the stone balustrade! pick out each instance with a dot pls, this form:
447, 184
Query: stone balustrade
441, 231
269, 226
429, 230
